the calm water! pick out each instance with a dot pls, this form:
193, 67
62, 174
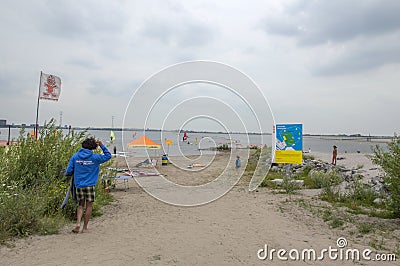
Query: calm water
207, 140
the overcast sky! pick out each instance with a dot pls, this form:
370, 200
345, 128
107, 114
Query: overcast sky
332, 65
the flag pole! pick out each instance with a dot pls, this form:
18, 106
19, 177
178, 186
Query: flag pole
36, 131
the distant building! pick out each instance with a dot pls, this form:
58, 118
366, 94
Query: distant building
3, 122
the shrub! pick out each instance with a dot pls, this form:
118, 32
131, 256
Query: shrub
323, 180
289, 186
336, 222
32, 187
308, 157
361, 195
390, 163
223, 147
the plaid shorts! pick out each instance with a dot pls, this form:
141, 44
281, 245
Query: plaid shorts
85, 193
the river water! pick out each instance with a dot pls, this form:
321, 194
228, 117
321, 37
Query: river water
207, 140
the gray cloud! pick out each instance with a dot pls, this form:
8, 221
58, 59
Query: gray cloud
13, 84
88, 64
113, 87
83, 21
367, 33
318, 22
360, 59
184, 34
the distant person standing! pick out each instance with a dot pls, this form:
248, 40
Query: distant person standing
238, 163
85, 166
334, 155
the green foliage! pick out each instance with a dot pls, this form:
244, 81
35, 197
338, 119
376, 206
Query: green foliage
365, 228
336, 222
223, 147
252, 162
32, 186
289, 186
328, 182
359, 199
389, 161
327, 215
360, 195
306, 170
32, 162
318, 179
308, 157
271, 176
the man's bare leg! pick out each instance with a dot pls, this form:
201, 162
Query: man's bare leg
79, 214
88, 213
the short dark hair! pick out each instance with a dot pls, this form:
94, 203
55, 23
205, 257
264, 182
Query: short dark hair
89, 143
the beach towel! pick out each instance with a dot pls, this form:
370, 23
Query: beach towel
71, 190
130, 173
196, 165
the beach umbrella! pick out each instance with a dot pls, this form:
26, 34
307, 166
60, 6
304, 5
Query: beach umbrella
144, 142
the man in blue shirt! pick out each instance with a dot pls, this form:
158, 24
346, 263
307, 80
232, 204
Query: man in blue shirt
85, 166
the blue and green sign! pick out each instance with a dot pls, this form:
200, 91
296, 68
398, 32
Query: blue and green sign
289, 143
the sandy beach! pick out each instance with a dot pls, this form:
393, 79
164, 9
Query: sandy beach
137, 229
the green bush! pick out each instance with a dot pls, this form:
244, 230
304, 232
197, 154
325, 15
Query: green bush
223, 147
322, 180
308, 157
361, 195
389, 161
32, 186
336, 222
289, 186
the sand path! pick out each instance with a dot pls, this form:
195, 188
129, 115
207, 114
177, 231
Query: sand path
137, 229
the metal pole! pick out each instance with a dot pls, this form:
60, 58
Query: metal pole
9, 133
36, 131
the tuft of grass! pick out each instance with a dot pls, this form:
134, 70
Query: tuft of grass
336, 222
364, 228
289, 186
51, 225
327, 215
377, 244
359, 166
323, 180
308, 157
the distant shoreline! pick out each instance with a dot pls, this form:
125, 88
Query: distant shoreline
375, 139
356, 137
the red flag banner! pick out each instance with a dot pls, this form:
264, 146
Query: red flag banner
50, 87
